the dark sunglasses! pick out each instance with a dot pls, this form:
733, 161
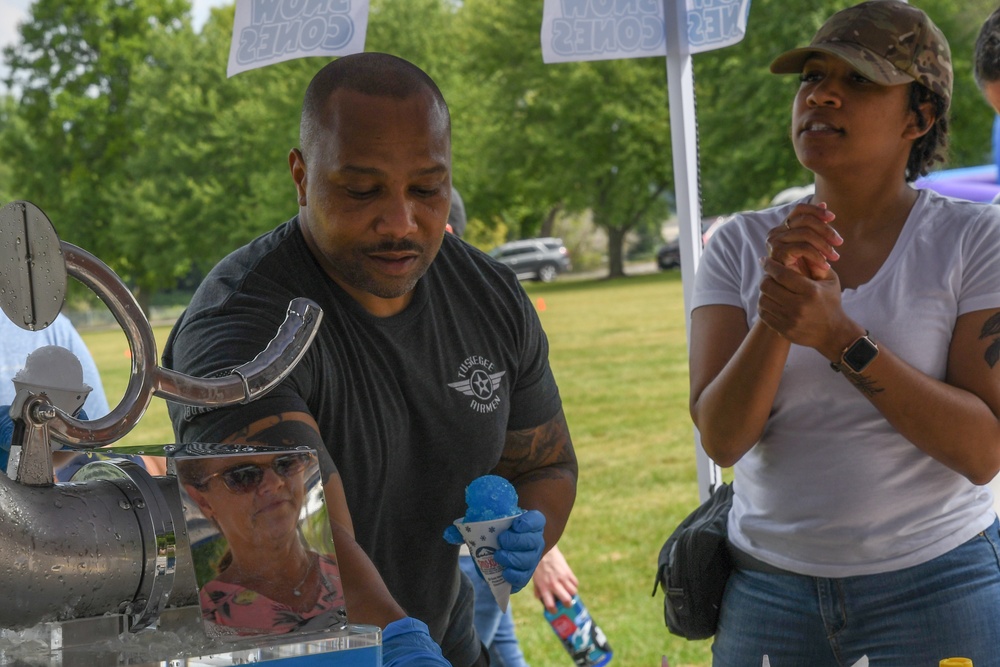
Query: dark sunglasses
246, 477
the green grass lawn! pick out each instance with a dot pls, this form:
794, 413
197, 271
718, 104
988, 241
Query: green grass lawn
619, 354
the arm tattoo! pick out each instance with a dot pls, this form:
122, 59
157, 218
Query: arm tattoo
864, 384
285, 431
993, 353
992, 328
277, 431
545, 451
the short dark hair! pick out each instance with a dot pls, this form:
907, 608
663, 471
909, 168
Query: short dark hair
379, 74
986, 58
933, 146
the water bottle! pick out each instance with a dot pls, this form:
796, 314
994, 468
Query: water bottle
578, 633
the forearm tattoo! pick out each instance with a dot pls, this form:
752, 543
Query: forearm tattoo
865, 385
277, 431
992, 328
285, 431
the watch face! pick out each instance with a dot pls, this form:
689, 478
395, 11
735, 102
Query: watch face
860, 354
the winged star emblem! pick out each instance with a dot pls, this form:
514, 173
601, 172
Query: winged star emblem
479, 384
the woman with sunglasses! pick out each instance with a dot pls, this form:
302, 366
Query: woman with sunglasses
269, 580
844, 356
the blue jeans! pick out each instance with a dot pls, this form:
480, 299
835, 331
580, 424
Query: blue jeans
494, 627
947, 607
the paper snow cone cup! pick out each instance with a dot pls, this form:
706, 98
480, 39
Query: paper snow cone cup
481, 538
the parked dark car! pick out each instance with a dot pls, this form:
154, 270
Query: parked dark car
668, 256
538, 259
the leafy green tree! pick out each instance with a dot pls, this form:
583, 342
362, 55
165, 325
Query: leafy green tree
72, 73
185, 167
212, 173
420, 31
573, 136
8, 110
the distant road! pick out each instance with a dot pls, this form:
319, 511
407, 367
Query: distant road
631, 269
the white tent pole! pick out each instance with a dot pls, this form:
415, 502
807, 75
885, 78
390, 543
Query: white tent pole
684, 137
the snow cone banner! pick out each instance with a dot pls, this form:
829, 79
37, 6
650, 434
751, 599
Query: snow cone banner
612, 29
272, 31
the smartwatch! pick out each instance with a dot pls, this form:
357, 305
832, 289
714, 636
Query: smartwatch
857, 356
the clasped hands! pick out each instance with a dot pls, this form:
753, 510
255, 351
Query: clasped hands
800, 291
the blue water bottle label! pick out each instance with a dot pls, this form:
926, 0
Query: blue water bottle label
580, 636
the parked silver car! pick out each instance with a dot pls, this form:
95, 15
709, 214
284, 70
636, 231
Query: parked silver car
539, 259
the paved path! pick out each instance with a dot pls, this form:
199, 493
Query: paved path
631, 269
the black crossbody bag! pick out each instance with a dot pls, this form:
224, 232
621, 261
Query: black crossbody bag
694, 566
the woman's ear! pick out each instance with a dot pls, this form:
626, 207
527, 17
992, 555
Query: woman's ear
921, 121
203, 503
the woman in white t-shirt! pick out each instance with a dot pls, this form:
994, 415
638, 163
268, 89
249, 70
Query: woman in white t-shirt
843, 360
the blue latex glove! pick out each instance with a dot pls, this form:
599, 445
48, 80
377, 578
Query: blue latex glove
7, 426
521, 548
6, 435
453, 536
408, 643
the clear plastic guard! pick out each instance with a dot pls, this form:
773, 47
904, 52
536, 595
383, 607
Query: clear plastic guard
242, 506
179, 641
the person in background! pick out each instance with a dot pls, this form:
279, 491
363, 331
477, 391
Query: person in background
553, 578
844, 362
17, 344
430, 367
986, 69
986, 60
495, 627
456, 215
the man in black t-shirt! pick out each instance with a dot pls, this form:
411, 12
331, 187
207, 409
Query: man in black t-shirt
430, 367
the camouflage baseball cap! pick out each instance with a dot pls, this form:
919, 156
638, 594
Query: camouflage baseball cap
888, 41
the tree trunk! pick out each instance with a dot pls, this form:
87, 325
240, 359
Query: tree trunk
616, 254
144, 297
549, 223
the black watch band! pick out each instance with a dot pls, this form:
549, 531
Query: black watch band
857, 356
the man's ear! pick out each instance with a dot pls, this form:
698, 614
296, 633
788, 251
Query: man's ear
297, 165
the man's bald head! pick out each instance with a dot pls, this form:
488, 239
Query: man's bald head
377, 74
